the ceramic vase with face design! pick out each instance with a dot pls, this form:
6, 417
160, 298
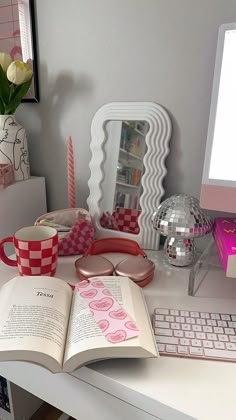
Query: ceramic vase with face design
14, 147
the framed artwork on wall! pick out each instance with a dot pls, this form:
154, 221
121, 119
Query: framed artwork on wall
18, 37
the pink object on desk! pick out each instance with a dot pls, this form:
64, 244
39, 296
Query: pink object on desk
224, 233
70, 174
111, 318
6, 174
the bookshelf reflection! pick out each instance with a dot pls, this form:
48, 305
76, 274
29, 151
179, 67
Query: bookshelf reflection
125, 169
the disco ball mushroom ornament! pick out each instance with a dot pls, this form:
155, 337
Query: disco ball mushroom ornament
181, 219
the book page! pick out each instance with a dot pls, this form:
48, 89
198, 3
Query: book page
84, 335
34, 312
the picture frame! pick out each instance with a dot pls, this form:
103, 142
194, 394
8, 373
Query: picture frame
18, 38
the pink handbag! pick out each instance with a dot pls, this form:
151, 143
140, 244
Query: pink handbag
74, 227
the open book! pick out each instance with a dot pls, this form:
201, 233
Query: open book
43, 321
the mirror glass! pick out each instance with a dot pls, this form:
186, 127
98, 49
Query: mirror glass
129, 145
125, 149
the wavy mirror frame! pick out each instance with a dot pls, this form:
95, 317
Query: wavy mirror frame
157, 148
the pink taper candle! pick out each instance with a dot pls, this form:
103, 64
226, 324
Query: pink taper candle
70, 174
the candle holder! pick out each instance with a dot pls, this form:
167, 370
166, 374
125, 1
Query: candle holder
181, 219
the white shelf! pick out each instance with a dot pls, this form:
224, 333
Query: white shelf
135, 129
128, 185
130, 155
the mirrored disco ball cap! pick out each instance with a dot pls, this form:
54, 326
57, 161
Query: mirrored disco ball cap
181, 219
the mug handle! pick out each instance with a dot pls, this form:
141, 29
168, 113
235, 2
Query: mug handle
3, 256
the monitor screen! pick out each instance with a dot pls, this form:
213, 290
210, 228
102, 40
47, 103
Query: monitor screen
218, 190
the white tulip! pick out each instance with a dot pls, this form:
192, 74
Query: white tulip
19, 72
5, 60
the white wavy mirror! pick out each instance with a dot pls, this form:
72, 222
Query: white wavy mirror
129, 144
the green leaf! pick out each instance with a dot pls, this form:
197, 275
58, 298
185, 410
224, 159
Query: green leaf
2, 108
17, 94
4, 86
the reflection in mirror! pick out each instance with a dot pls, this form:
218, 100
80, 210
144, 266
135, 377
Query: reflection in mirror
129, 146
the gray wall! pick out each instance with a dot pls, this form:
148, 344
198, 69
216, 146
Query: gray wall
97, 51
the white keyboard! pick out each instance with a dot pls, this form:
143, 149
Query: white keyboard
204, 335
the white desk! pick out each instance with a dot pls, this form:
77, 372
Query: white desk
164, 388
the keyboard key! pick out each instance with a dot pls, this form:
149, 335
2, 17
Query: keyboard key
211, 336
174, 326
159, 317
189, 334
232, 338
215, 316
233, 317
161, 324
229, 331
184, 341
226, 354
170, 348
205, 315
194, 314
222, 323
211, 322
182, 349
186, 327
180, 319
223, 337
201, 321
207, 329
196, 343
161, 347
230, 346
201, 335
163, 331
218, 330
232, 324
225, 317
196, 351
178, 333
190, 321
184, 313
161, 311
174, 312
167, 340
196, 328
170, 318
219, 345
207, 344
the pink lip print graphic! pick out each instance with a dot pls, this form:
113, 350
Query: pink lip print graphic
83, 283
131, 325
119, 314
103, 304
89, 293
115, 337
103, 324
97, 283
106, 292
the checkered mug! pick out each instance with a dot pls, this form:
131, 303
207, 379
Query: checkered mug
36, 249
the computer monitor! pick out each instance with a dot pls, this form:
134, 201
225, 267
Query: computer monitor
218, 190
